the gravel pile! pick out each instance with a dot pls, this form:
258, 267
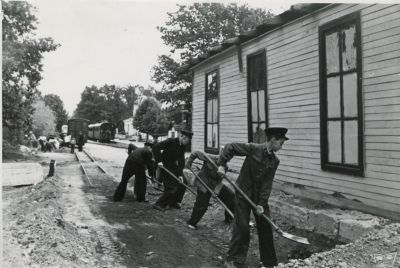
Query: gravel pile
378, 248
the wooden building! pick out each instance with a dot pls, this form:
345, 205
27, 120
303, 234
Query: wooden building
330, 73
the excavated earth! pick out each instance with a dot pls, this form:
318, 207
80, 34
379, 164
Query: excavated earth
70, 220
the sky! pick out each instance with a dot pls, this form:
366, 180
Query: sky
105, 42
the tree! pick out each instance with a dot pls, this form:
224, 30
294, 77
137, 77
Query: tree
191, 31
22, 56
109, 103
43, 119
162, 124
145, 119
57, 106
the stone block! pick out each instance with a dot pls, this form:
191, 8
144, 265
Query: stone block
298, 215
353, 229
324, 222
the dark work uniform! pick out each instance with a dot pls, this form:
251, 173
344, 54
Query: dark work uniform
208, 174
135, 165
173, 159
80, 143
255, 179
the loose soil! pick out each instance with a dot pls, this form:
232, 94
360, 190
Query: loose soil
64, 221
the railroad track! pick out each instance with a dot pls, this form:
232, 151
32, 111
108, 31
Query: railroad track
89, 165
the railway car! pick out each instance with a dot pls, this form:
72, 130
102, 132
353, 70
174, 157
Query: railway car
103, 132
78, 124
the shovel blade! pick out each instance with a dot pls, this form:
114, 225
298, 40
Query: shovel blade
295, 238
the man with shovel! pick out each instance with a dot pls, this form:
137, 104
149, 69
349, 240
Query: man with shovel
173, 159
209, 176
136, 164
255, 181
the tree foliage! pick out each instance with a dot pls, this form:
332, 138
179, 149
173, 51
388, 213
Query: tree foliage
22, 56
191, 31
109, 103
148, 119
43, 119
57, 106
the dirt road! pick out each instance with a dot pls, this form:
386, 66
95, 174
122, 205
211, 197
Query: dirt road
66, 222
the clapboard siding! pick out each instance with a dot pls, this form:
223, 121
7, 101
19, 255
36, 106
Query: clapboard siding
292, 61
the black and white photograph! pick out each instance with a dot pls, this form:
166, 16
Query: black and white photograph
180, 134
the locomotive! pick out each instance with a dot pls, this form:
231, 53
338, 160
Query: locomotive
103, 132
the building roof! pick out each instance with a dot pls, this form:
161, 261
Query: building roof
295, 12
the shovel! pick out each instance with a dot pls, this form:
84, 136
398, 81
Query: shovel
152, 185
173, 176
298, 239
212, 192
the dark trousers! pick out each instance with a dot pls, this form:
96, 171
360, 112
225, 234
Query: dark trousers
43, 148
131, 168
72, 148
173, 190
80, 147
202, 200
239, 244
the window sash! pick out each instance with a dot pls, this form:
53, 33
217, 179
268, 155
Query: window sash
342, 140
211, 141
257, 90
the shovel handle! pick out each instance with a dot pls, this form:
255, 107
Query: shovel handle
245, 196
173, 176
212, 192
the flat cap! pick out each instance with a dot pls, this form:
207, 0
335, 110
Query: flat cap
149, 143
187, 133
277, 131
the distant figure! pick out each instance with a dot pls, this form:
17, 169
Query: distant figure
48, 147
80, 141
42, 147
73, 142
31, 136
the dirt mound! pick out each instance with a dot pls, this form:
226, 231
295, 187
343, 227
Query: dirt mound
35, 233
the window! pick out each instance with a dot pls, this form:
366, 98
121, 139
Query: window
342, 144
257, 92
212, 113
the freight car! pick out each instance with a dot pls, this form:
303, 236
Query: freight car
103, 132
78, 124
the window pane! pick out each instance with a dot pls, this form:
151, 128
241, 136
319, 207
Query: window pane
252, 73
260, 72
256, 133
212, 91
349, 52
332, 52
351, 142
261, 133
350, 95
209, 135
254, 106
215, 110
334, 142
333, 97
261, 105
215, 136
209, 111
